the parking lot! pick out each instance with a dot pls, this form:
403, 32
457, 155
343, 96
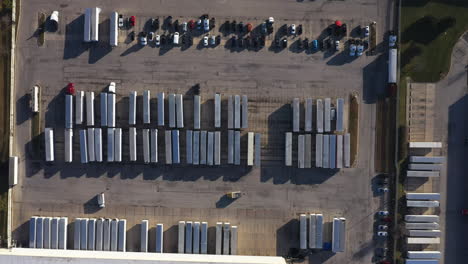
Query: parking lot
273, 195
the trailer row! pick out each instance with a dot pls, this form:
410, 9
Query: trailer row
159, 248
331, 151
48, 232
100, 234
325, 113
426, 204
422, 174
425, 159
423, 196
421, 261
311, 229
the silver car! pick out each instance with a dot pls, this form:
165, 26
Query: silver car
206, 24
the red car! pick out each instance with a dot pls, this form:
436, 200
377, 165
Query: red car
249, 27
191, 24
132, 21
71, 88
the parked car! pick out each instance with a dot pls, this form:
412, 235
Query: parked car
184, 27
155, 24
382, 227
382, 190
315, 44
143, 39
264, 28
249, 27
132, 21
382, 234
366, 31
292, 29
337, 45
383, 213
176, 25
163, 40
121, 21
191, 24
240, 27
199, 24
227, 26
150, 36
218, 40
212, 23
277, 43
101, 200
306, 43
381, 252
205, 41
392, 39
175, 38
285, 43
213, 40
360, 49
132, 36
299, 30
352, 49
206, 25
233, 26
157, 40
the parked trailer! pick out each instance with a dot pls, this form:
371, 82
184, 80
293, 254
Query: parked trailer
423, 240
300, 151
98, 144
258, 150
421, 261
103, 99
196, 238
312, 231
46, 235
217, 148
204, 238
425, 166
91, 145
217, 115
303, 231
79, 98
122, 235
111, 99
132, 108
308, 115
196, 148
422, 218
118, 145
188, 237
95, 23
99, 233
392, 66
230, 112
84, 234
114, 226
90, 108
35, 98
172, 111
146, 107
160, 109
250, 148
189, 146
336, 225
87, 25
77, 234
318, 150
181, 247
83, 146
154, 145
429, 204
168, 146
411, 173
13, 170
423, 196
219, 238
342, 234
340, 114
422, 226
234, 240
106, 234
230, 146
91, 234
332, 160
424, 233
132, 142
237, 112
144, 236
54, 232
339, 151
146, 145
114, 29
68, 145
203, 141
425, 144
159, 238
319, 231
180, 110
326, 151
296, 114
196, 111
39, 232
424, 159
424, 254
62, 233
327, 115
319, 116
288, 149
245, 111
237, 148
49, 144
175, 147
68, 111
308, 151
226, 238
347, 150
210, 149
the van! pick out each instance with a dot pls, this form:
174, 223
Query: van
101, 200
176, 38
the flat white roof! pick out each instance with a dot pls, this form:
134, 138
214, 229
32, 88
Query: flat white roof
425, 144
44, 256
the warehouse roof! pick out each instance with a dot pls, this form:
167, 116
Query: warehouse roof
45, 256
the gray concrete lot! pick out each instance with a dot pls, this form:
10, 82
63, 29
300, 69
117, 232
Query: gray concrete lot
274, 195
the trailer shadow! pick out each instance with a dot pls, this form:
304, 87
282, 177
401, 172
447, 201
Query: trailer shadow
74, 46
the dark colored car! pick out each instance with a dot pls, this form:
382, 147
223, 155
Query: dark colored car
344, 29
300, 44
212, 23
233, 25
227, 26
299, 30
163, 40
132, 35
218, 40
240, 27
277, 43
176, 26
306, 43
233, 41
330, 30
284, 42
191, 24
155, 23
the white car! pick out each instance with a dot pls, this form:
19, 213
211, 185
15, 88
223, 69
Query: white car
360, 49
143, 39
184, 27
352, 50
205, 41
293, 29
121, 21
382, 234
157, 40
383, 227
271, 20
383, 213
176, 38
392, 40
366, 31
337, 45
212, 40
206, 24
101, 200
111, 87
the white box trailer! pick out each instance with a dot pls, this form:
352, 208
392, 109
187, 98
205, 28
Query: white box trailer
204, 238
106, 234
79, 102
95, 23
319, 116
340, 115
303, 231
49, 144
189, 146
68, 111
336, 226
146, 145
423, 196
196, 148
250, 148
424, 254
318, 150
308, 151
312, 231
421, 261
188, 237
339, 151
423, 240
245, 111
83, 146
423, 174
87, 25
111, 99
308, 115
422, 218
168, 142
35, 98
210, 149
217, 148
196, 111
300, 151
180, 110
327, 115
424, 233
99, 234
237, 112
424, 159
115, 151
392, 66
326, 151
146, 107
144, 236
160, 238
122, 241
219, 238
258, 150
84, 233
154, 145
132, 142
196, 238
77, 234
425, 144
62, 233
319, 231
172, 111
425, 166
160, 109
226, 238
332, 160
68, 145
114, 235
39, 232
46, 235
103, 106
54, 232
132, 102
114, 29
175, 147
422, 226
347, 150
203, 135
91, 145
296, 114
230, 112
288, 149
181, 241
90, 108
237, 148
217, 115
429, 204
230, 146
98, 144
233, 240
92, 234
